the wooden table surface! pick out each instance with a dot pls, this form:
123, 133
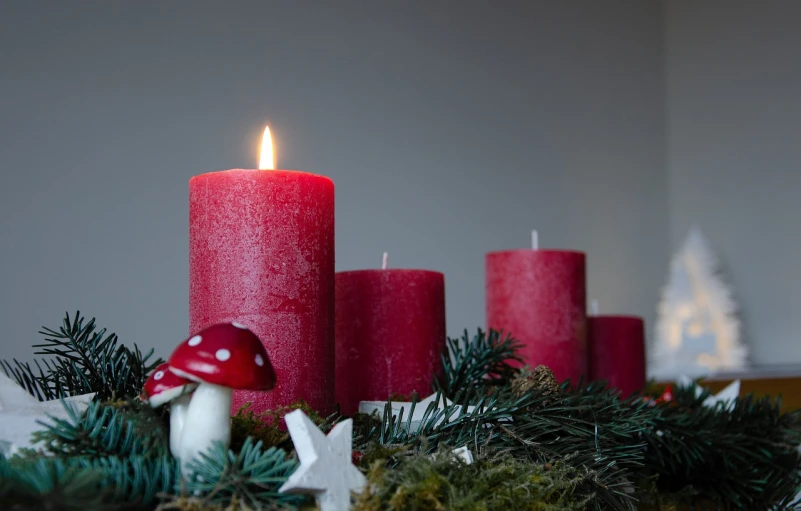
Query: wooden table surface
773, 381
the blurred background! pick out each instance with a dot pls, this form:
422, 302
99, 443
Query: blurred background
450, 129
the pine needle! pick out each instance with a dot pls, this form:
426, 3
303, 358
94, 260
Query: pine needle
80, 360
483, 360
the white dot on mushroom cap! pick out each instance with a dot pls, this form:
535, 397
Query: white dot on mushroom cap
159, 375
194, 341
259, 360
223, 355
239, 325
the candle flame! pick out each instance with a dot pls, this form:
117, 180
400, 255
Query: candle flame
267, 159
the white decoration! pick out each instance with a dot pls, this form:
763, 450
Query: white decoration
726, 396
464, 454
218, 360
207, 420
20, 414
178, 409
326, 468
698, 332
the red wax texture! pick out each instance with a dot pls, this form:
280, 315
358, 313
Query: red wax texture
617, 351
390, 334
539, 297
261, 253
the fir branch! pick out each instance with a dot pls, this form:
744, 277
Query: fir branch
134, 481
451, 424
83, 484
252, 476
591, 428
588, 427
745, 457
106, 430
482, 360
49, 484
27, 378
82, 360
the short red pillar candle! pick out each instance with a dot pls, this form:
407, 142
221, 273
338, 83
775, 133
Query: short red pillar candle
539, 297
617, 351
261, 253
390, 334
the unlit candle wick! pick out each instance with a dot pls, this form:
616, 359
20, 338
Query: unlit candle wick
384, 261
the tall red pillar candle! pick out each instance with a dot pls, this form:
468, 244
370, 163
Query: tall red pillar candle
539, 297
390, 334
617, 351
261, 253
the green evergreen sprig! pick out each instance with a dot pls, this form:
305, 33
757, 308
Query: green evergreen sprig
481, 360
102, 430
86, 484
452, 424
47, 483
745, 456
587, 428
251, 477
80, 360
116, 457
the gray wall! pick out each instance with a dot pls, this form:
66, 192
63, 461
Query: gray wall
450, 129
734, 154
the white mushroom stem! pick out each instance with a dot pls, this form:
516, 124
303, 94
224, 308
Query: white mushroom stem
178, 409
208, 420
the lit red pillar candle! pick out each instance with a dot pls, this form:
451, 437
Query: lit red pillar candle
539, 297
390, 334
617, 351
261, 253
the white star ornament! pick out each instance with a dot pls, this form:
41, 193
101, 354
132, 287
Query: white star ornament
326, 469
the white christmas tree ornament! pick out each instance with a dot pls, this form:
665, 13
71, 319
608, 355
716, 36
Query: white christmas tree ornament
698, 332
326, 468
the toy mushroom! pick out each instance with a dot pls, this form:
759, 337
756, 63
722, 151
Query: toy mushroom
164, 387
220, 358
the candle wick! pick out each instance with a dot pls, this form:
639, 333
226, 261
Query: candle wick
534, 240
384, 261
594, 307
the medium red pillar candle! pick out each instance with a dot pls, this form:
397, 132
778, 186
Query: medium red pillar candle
390, 334
261, 253
539, 297
617, 351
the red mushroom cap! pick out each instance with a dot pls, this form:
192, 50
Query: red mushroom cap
163, 386
226, 354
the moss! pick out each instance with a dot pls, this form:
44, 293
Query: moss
268, 427
442, 482
376, 452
